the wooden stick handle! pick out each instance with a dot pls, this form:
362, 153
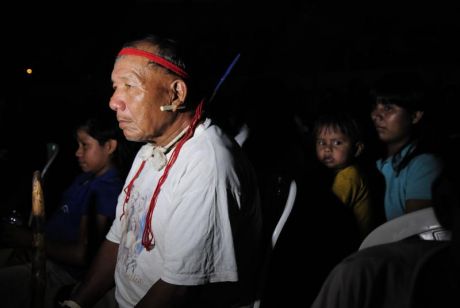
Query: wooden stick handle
38, 208
38, 279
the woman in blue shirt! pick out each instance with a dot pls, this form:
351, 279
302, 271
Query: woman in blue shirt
408, 167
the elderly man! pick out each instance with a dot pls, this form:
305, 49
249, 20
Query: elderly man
188, 221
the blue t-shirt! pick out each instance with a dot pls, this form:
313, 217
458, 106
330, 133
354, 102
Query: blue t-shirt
86, 193
414, 181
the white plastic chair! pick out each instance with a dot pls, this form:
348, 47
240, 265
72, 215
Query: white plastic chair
52, 150
243, 134
286, 212
422, 222
274, 238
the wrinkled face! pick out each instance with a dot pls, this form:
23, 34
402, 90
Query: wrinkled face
392, 122
333, 148
139, 91
92, 156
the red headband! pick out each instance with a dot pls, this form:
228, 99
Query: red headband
157, 59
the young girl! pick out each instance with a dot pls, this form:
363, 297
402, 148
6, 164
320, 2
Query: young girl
75, 230
87, 207
408, 167
338, 144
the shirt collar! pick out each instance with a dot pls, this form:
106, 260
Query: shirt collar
151, 150
397, 158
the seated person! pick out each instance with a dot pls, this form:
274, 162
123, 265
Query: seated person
74, 232
411, 272
409, 163
338, 146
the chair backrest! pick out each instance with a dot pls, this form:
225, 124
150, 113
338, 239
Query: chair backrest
289, 204
422, 222
52, 149
243, 134
285, 213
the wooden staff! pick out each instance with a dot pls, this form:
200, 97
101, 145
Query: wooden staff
38, 279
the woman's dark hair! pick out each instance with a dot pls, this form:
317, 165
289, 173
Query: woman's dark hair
404, 89
104, 128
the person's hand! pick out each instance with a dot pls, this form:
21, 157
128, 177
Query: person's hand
15, 236
69, 304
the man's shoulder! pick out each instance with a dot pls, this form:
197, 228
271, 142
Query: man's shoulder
400, 253
211, 140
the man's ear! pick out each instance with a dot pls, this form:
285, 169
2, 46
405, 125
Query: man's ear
179, 93
417, 116
359, 148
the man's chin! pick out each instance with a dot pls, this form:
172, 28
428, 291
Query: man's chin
132, 137
129, 134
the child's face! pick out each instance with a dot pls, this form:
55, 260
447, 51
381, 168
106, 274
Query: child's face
333, 148
92, 156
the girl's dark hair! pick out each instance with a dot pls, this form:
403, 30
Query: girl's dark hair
341, 121
101, 129
104, 128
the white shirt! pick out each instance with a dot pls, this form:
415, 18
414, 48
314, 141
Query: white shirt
210, 189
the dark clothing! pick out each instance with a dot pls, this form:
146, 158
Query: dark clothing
388, 275
319, 233
84, 193
86, 196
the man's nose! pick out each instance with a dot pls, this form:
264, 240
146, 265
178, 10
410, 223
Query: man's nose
116, 104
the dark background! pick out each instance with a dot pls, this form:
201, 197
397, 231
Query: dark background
296, 56
297, 59
308, 46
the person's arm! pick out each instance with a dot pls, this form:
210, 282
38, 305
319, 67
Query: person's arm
352, 190
415, 205
164, 295
80, 252
12, 236
424, 171
100, 277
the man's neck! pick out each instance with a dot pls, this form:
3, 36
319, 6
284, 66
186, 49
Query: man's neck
173, 132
